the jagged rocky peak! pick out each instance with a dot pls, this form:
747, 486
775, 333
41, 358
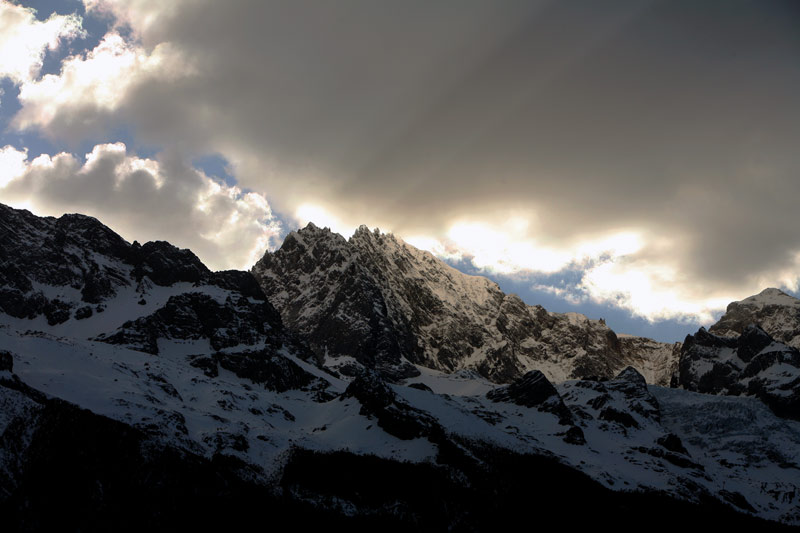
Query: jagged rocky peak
375, 301
773, 310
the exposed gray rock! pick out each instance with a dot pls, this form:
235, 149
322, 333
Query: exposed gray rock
533, 390
195, 315
753, 364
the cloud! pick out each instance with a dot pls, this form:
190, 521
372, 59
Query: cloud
145, 199
24, 40
671, 125
139, 16
93, 85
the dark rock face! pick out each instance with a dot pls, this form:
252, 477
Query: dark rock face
77, 254
623, 404
673, 443
634, 378
6, 361
166, 265
574, 435
620, 417
388, 304
271, 370
752, 342
395, 416
702, 369
753, 364
194, 316
533, 390
55, 252
632, 386
84, 312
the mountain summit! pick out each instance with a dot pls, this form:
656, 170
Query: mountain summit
772, 310
375, 301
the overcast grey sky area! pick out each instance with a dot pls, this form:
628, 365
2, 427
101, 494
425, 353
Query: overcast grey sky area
631, 160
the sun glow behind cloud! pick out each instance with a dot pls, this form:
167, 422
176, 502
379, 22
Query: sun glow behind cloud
322, 218
508, 248
650, 291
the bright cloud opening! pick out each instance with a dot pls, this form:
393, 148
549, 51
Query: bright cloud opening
323, 218
649, 291
24, 40
12, 164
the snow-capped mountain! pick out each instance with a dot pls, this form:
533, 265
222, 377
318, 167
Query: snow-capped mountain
772, 310
379, 302
139, 389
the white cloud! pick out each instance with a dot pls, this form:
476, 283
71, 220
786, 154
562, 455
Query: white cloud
96, 82
652, 291
144, 199
509, 248
24, 40
624, 269
12, 164
137, 15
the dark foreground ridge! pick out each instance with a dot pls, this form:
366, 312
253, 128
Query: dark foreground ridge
79, 471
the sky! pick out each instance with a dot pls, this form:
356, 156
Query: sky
631, 160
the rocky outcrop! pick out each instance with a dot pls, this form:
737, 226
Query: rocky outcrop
37, 253
752, 364
395, 416
623, 403
195, 316
533, 390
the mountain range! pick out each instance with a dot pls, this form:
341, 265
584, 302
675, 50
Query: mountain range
366, 383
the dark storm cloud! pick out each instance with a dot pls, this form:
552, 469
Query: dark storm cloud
674, 118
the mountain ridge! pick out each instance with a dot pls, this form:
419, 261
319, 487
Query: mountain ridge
200, 368
421, 311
